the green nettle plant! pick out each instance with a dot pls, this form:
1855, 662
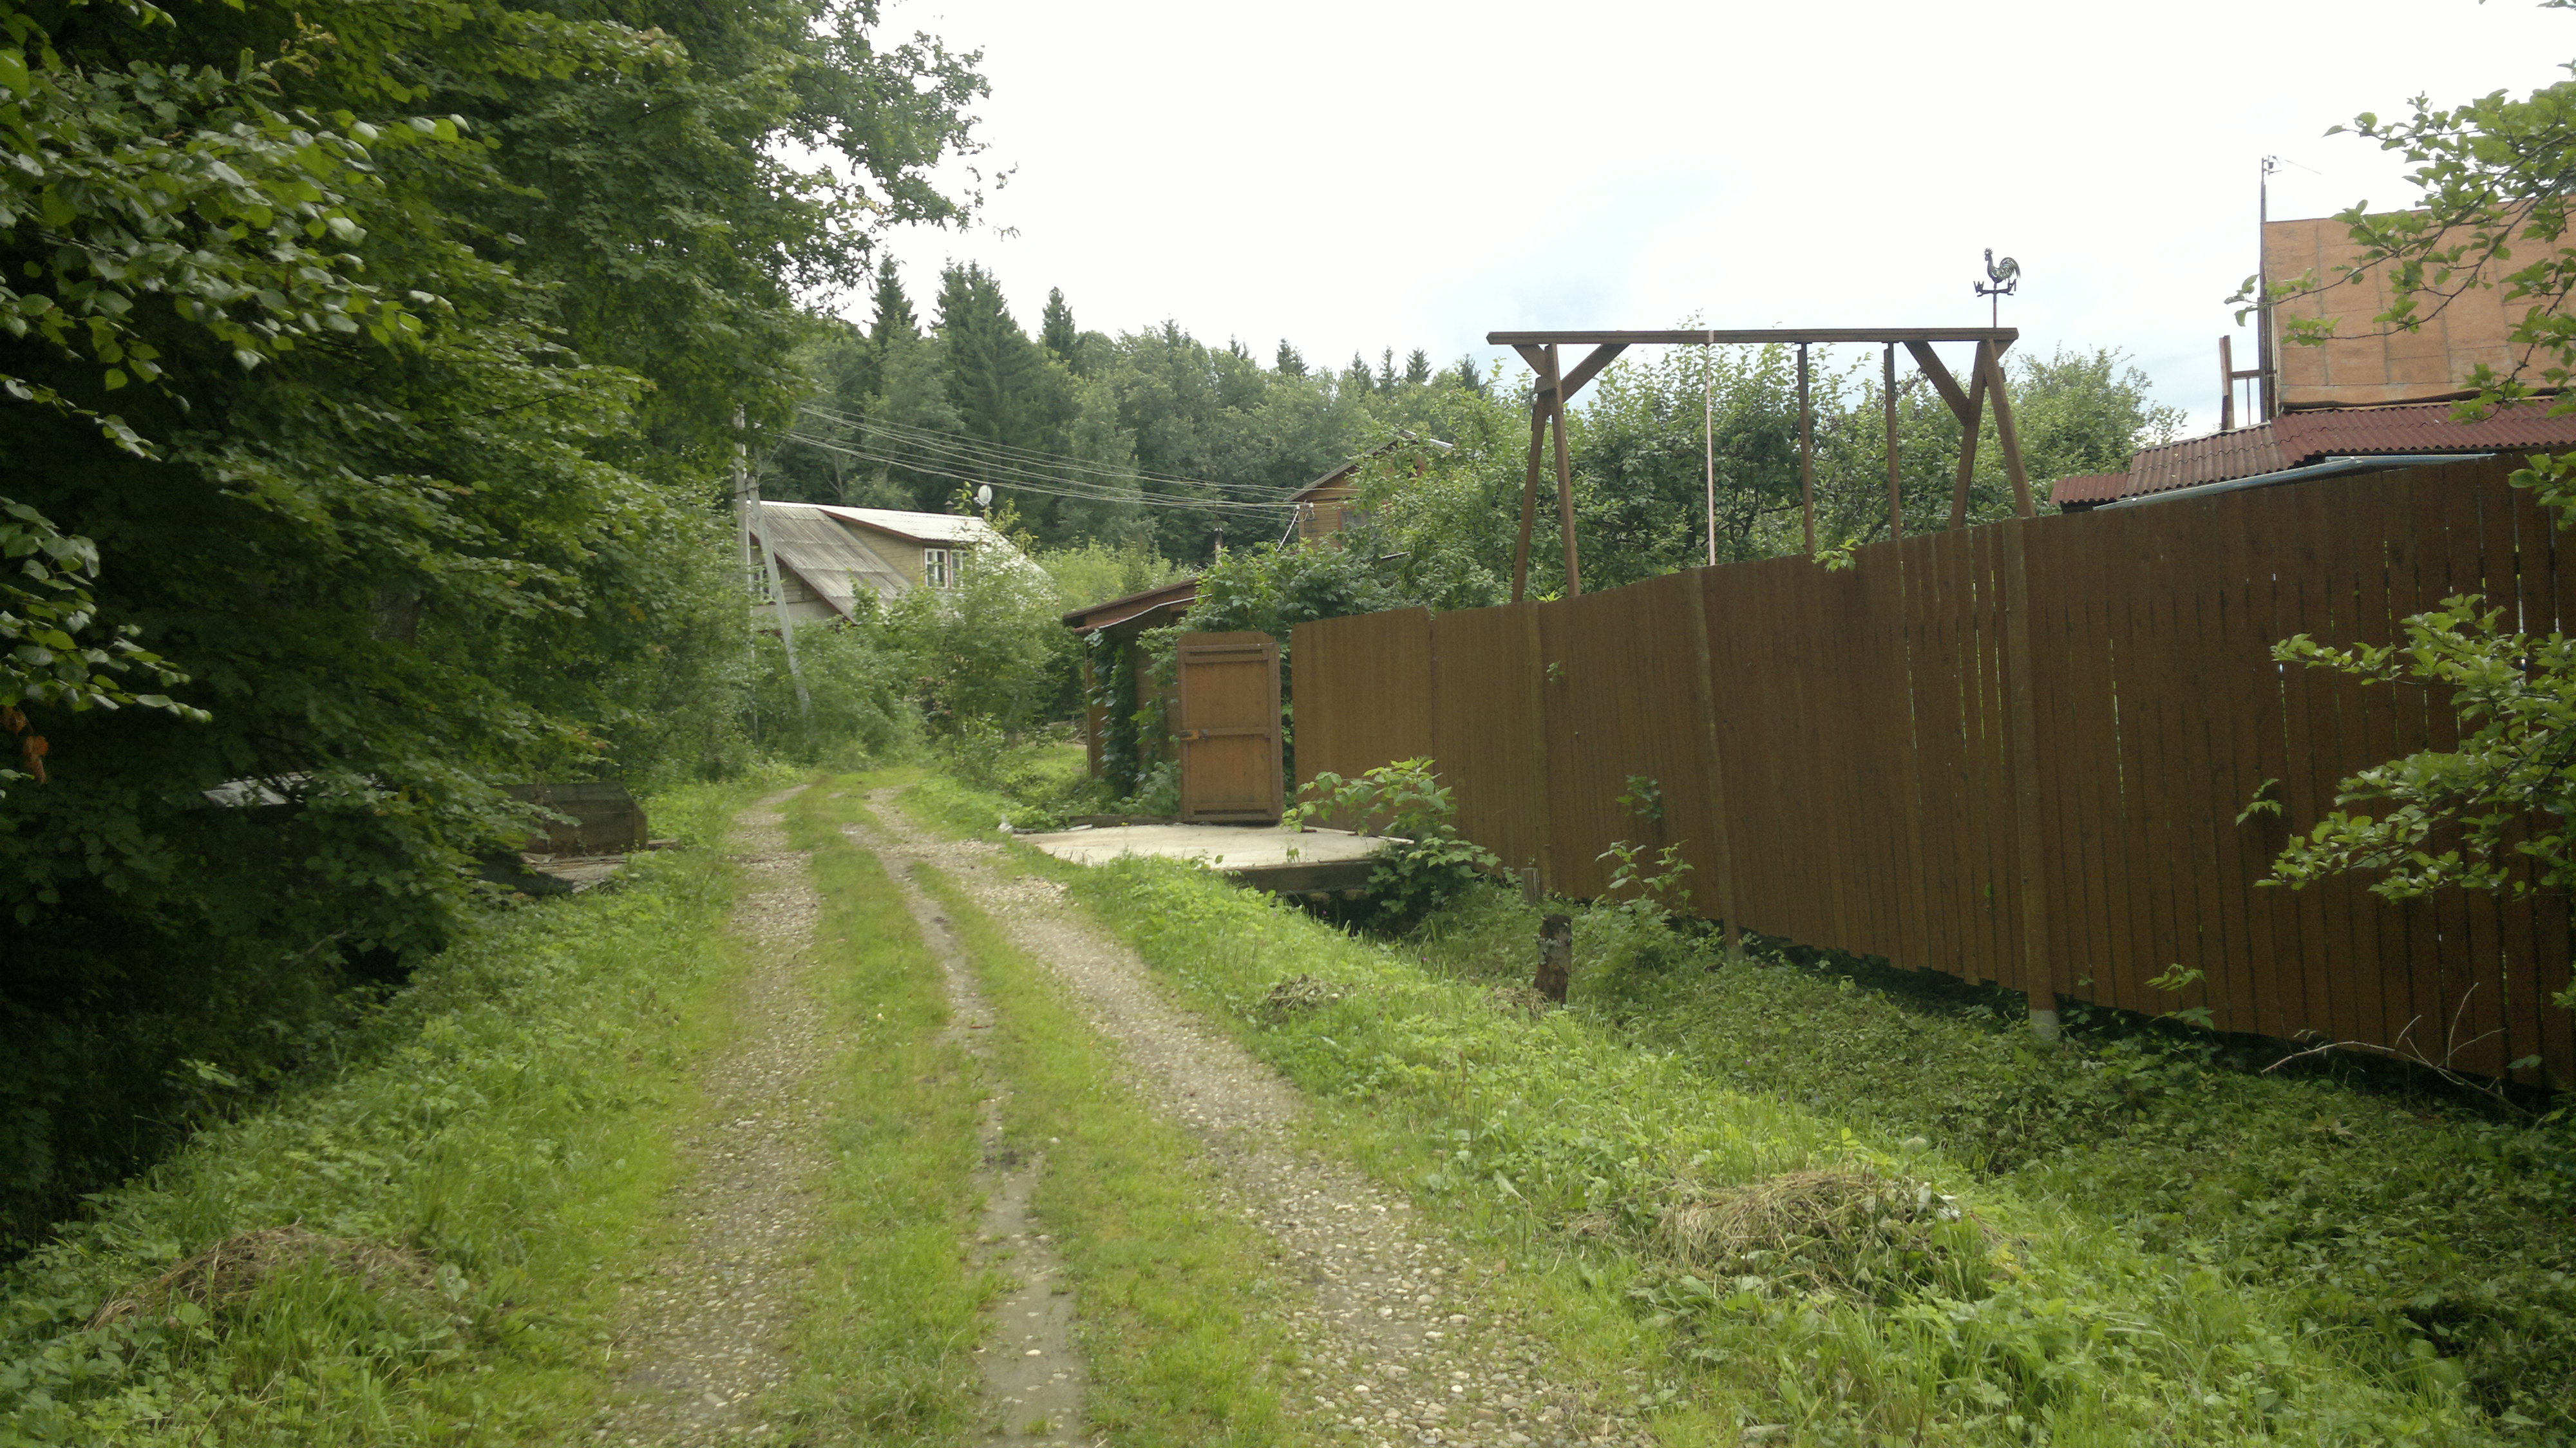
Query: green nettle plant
2491, 814
1403, 801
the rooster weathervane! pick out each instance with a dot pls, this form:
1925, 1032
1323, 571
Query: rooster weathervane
2005, 276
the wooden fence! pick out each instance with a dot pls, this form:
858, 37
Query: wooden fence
2014, 753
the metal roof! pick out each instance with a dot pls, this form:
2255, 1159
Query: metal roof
2296, 439
1183, 592
835, 561
935, 528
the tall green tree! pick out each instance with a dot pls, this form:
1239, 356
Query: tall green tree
393, 375
1063, 340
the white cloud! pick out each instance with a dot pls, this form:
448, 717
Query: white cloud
1353, 176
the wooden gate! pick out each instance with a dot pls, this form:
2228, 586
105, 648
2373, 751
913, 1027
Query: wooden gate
1228, 728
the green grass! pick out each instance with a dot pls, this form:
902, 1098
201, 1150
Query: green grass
885, 1351
503, 1141
1173, 1297
1562, 1140
2403, 1221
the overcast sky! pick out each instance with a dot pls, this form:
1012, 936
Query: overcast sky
1355, 176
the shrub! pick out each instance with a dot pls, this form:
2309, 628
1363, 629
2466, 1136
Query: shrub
1406, 802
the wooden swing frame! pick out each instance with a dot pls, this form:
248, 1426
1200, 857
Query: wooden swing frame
1557, 385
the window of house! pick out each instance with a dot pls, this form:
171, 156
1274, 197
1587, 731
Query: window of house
942, 567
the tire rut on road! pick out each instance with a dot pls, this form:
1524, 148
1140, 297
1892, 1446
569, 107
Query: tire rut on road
1399, 1345
1033, 1373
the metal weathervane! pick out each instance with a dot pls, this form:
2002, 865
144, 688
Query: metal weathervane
2005, 277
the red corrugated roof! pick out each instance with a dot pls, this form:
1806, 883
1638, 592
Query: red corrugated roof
2088, 488
2295, 439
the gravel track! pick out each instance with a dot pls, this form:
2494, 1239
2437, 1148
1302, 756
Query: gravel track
1033, 1374
699, 1339
1399, 1345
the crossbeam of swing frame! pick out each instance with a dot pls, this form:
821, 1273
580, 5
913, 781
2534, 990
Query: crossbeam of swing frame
1556, 386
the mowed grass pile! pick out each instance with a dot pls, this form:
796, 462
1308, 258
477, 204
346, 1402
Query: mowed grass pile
425, 1246
1818, 1273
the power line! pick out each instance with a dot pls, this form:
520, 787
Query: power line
1048, 487
979, 452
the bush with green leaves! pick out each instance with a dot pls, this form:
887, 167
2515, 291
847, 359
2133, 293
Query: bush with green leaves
1427, 862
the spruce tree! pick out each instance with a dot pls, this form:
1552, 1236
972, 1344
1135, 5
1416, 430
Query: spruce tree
1057, 332
1417, 368
1291, 362
1356, 377
1386, 370
894, 309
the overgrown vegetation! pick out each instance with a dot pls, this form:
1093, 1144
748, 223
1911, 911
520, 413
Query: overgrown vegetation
423, 1240
1865, 1206
1430, 863
388, 360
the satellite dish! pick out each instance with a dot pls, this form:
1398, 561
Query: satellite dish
984, 497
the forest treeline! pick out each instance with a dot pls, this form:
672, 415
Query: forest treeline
374, 379
1155, 440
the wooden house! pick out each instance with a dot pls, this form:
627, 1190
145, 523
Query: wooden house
828, 556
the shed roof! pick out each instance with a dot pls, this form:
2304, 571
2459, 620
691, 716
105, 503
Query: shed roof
2296, 439
1401, 436
1181, 594
834, 561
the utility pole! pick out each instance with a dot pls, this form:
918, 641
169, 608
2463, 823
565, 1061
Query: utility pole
2264, 362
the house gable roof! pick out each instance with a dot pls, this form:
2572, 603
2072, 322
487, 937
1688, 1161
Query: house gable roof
952, 530
834, 561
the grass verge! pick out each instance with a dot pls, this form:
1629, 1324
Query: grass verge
425, 1246
1803, 1276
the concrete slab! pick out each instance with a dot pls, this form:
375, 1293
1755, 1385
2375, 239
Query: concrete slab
1232, 848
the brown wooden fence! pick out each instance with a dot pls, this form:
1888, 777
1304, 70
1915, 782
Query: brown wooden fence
2014, 753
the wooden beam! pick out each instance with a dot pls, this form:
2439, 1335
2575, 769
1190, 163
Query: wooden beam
1590, 367
2226, 384
1529, 501
2006, 432
1895, 488
1942, 382
1970, 421
1822, 336
1806, 455
1564, 484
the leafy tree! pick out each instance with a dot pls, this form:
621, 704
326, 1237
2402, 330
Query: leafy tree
393, 372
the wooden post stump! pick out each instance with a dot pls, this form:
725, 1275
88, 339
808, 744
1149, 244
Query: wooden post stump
1555, 956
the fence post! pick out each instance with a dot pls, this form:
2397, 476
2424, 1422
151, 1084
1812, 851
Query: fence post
1704, 699
2037, 977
